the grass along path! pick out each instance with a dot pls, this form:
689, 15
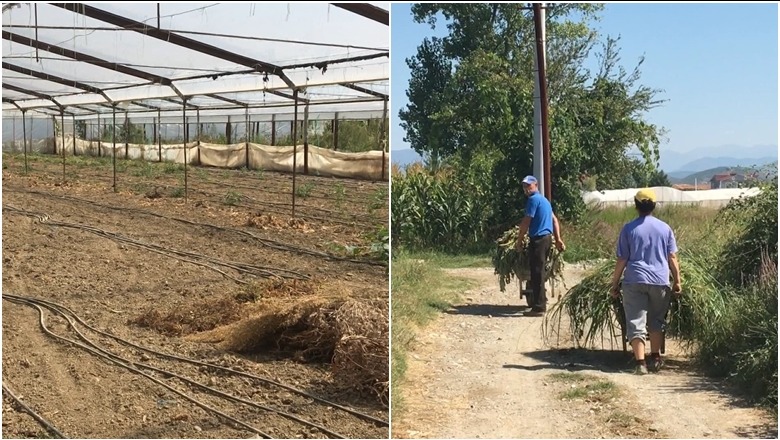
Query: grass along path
421, 291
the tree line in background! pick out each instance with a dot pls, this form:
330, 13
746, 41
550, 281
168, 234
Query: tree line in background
353, 135
471, 107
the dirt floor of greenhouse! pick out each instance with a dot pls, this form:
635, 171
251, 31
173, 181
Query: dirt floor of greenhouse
232, 219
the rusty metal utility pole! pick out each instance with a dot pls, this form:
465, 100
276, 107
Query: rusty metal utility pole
539, 28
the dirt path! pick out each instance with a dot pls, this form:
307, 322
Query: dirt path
482, 370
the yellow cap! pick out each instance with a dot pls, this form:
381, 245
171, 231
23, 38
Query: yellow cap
645, 195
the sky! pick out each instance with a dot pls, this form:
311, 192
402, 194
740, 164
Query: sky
716, 63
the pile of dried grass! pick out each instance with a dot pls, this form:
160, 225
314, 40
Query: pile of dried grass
350, 334
268, 221
361, 354
183, 321
277, 288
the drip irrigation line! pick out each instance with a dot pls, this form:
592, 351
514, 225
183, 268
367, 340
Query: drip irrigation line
38, 418
268, 206
324, 197
190, 257
59, 310
265, 241
266, 380
42, 322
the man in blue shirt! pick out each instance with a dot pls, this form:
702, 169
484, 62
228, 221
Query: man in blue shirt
540, 223
647, 252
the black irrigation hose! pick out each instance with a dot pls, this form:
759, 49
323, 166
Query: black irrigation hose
191, 257
131, 368
59, 309
265, 241
209, 365
265, 205
49, 427
355, 217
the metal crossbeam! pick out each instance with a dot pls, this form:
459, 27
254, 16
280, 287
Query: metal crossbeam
173, 38
365, 90
366, 10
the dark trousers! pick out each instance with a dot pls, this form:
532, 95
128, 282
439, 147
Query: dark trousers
538, 251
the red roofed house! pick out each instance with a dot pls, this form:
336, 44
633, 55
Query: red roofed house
726, 180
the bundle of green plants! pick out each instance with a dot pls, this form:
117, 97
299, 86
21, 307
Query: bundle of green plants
590, 312
509, 263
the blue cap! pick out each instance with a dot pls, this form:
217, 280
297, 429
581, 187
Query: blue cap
529, 180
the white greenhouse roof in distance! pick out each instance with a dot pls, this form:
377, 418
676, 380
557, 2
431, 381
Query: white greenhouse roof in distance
224, 59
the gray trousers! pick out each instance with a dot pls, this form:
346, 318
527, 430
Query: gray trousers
645, 306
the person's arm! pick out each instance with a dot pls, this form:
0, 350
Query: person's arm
525, 223
674, 263
620, 266
623, 252
557, 234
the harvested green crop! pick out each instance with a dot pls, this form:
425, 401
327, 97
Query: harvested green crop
592, 319
509, 263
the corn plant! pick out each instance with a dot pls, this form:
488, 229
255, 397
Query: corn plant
437, 210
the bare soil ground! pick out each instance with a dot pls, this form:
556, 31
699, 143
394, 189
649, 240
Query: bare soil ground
483, 370
114, 285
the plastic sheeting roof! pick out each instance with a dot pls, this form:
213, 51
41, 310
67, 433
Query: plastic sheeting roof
224, 59
666, 194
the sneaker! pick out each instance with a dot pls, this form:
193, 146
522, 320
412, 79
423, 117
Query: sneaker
640, 370
656, 363
535, 311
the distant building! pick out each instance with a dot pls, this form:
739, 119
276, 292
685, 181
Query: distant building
687, 187
727, 180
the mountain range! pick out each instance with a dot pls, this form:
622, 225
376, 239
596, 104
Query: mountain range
680, 164
677, 165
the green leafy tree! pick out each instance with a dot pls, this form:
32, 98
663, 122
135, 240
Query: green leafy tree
130, 132
471, 97
354, 136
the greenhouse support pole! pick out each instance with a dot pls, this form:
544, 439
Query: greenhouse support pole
74, 135
113, 141
382, 138
246, 129
273, 130
24, 138
154, 130
306, 138
159, 137
127, 136
62, 130
336, 131
53, 132
184, 120
100, 137
228, 131
295, 146
197, 121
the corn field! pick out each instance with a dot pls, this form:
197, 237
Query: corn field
437, 210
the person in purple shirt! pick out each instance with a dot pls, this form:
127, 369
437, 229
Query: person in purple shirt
646, 253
